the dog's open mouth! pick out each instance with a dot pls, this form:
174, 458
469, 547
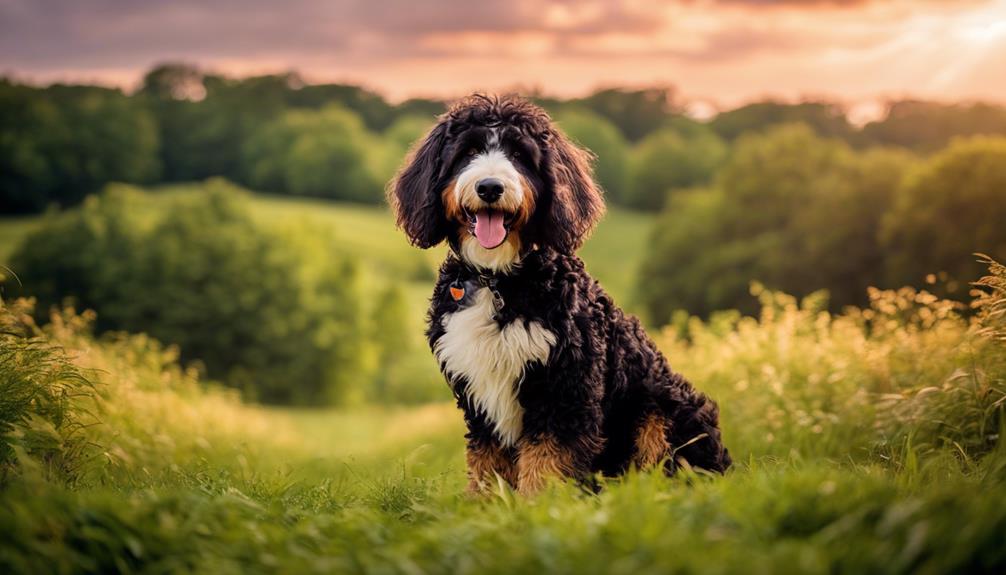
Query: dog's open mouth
489, 226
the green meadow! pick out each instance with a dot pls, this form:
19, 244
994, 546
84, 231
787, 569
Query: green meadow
865, 441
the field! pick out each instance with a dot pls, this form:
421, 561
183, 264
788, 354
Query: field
863, 442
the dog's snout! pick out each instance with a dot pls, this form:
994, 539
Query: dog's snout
489, 189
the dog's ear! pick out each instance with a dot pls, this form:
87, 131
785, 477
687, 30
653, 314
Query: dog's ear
576, 204
414, 193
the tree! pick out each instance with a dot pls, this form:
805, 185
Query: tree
790, 210
204, 119
836, 240
61, 143
667, 161
814, 207
375, 112
770, 177
636, 113
603, 139
952, 207
825, 119
930, 126
691, 263
325, 153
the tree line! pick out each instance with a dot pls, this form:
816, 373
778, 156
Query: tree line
279, 135
800, 213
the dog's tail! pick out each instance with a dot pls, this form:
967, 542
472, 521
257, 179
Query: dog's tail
695, 436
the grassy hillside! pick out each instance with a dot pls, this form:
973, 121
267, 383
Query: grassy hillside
867, 442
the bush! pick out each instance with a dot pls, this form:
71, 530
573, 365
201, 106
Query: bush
325, 153
950, 208
247, 301
669, 160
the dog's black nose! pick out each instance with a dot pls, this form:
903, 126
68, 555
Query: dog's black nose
489, 189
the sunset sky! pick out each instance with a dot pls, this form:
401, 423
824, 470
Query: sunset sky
720, 51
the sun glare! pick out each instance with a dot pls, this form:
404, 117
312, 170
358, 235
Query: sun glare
983, 27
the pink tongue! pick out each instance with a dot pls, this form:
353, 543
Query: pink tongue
489, 229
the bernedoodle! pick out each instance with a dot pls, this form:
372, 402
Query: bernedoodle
553, 378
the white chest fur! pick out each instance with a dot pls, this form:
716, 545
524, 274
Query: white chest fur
492, 360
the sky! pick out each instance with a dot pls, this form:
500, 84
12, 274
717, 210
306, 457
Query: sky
715, 52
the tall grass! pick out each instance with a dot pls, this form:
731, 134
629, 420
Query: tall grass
867, 441
911, 371
44, 399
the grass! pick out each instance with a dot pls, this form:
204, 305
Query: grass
864, 442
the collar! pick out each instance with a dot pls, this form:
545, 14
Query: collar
486, 278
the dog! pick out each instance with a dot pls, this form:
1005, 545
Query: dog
554, 380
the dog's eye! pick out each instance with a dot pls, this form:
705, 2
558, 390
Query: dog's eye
472, 151
514, 155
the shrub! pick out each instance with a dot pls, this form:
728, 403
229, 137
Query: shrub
247, 301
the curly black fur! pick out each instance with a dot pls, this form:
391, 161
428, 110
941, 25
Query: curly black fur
604, 377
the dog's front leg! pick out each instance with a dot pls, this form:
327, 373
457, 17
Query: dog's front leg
485, 455
487, 458
562, 430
